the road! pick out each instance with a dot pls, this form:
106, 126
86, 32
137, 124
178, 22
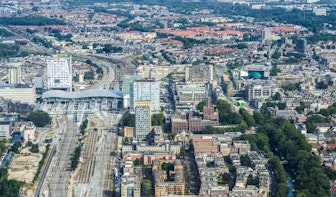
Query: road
46, 168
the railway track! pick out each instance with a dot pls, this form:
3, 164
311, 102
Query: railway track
87, 168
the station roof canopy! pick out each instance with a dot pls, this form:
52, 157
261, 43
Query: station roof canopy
92, 93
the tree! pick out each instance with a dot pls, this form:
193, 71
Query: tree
158, 119
39, 118
291, 87
95, 45
183, 152
275, 70
35, 148
137, 162
210, 164
29, 143
321, 85
227, 179
247, 117
245, 161
35, 9
252, 180
258, 117
276, 97
146, 187
200, 106
89, 75
15, 147
281, 105
242, 46
128, 120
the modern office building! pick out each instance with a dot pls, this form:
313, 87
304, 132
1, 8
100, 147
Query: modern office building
301, 45
142, 119
259, 91
14, 73
266, 36
59, 73
126, 88
145, 90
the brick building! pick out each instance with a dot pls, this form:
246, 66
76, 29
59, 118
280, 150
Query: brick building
194, 121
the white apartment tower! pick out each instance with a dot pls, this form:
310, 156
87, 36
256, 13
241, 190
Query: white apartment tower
59, 71
266, 36
145, 90
14, 73
142, 119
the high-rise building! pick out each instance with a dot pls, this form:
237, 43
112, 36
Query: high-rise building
142, 119
301, 45
14, 73
59, 71
266, 36
145, 90
126, 86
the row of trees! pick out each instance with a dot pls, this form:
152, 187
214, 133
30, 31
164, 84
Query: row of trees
321, 37
9, 50
30, 20
5, 33
291, 87
41, 163
42, 41
108, 48
188, 42
57, 34
279, 139
75, 157
99, 70
83, 126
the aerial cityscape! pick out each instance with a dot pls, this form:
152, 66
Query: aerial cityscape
151, 98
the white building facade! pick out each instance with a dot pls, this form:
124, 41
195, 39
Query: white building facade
142, 119
14, 73
18, 92
5, 129
145, 90
59, 73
